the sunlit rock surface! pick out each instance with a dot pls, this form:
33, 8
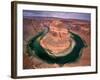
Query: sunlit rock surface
33, 26
57, 39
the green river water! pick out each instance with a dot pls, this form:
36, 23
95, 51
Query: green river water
34, 47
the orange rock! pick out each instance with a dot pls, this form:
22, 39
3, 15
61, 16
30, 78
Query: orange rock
57, 39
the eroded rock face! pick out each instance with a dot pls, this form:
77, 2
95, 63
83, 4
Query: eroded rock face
57, 39
76, 26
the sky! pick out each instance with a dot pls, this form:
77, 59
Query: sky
65, 15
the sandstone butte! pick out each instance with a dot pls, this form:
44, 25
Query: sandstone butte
57, 39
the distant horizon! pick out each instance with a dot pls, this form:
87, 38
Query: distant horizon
57, 14
38, 17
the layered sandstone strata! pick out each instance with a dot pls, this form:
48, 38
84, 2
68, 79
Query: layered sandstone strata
58, 38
